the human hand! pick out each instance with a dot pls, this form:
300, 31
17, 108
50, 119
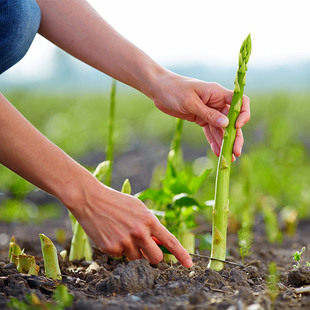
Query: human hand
121, 224
206, 104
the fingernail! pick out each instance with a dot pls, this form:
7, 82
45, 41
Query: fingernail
222, 122
188, 263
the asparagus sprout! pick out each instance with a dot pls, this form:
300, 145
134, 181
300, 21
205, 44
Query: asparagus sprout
126, 188
110, 145
221, 206
14, 249
50, 258
27, 264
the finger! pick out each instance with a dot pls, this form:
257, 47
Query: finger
217, 134
214, 146
225, 110
237, 150
210, 116
133, 254
174, 246
152, 252
244, 115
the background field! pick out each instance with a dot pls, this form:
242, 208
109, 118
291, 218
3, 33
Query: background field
277, 143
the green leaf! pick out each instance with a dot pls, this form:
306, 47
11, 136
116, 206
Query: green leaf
205, 242
185, 200
156, 195
196, 181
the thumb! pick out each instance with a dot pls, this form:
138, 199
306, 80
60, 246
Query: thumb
211, 116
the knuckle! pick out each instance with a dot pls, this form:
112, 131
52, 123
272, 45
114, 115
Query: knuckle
171, 242
149, 219
209, 114
138, 232
112, 249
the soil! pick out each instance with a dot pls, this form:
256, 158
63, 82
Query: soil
108, 283
116, 284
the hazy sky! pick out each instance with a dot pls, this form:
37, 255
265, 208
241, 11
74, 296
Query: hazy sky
199, 31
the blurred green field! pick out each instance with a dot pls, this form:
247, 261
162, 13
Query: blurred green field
277, 139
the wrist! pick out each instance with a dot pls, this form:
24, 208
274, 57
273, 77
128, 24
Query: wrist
72, 190
153, 79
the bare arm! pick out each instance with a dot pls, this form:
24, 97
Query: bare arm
77, 28
117, 223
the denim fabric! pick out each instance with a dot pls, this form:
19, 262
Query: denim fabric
19, 23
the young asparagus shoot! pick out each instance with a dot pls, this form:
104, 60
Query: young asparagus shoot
80, 243
110, 145
50, 258
221, 207
14, 249
126, 188
27, 265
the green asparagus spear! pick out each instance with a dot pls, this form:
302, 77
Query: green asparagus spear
221, 209
50, 258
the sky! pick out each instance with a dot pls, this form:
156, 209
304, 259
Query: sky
177, 32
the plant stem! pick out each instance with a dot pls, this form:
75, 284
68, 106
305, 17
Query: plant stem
221, 208
110, 145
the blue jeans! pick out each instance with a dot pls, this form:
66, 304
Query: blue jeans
19, 23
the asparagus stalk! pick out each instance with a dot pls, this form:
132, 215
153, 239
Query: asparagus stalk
221, 208
110, 145
50, 258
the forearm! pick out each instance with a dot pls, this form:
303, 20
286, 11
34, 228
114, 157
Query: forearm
77, 28
24, 150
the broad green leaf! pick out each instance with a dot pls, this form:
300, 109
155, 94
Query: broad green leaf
156, 195
196, 181
185, 200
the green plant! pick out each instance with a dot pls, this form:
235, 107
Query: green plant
27, 264
61, 300
15, 210
110, 144
272, 229
272, 282
51, 264
221, 205
126, 188
24, 263
245, 241
297, 258
14, 249
174, 201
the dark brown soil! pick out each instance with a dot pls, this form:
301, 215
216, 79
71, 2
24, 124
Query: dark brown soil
116, 284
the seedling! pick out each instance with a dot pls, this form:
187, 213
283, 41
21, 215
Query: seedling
273, 281
245, 242
126, 188
273, 232
27, 265
50, 258
221, 206
24, 263
297, 258
61, 300
14, 249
